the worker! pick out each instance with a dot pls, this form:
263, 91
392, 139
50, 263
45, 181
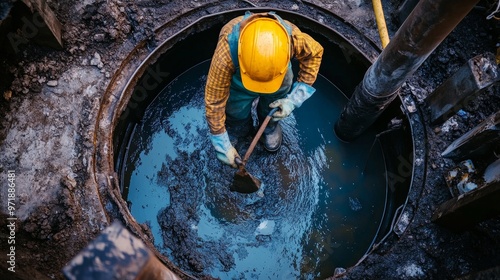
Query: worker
252, 61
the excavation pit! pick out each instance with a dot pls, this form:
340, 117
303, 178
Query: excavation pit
324, 203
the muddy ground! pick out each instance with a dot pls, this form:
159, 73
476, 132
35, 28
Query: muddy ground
51, 99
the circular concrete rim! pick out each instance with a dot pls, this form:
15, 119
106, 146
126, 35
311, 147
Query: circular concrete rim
119, 92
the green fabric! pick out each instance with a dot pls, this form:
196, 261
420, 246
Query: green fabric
239, 104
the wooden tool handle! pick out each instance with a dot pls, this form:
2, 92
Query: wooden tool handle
259, 134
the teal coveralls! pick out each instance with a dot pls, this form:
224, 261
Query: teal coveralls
239, 105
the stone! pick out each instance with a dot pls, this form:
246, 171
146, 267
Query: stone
96, 60
99, 37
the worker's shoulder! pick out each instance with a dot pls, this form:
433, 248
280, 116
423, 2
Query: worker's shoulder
228, 27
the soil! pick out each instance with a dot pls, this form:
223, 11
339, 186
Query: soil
50, 100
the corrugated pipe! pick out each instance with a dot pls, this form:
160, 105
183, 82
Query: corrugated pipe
380, 19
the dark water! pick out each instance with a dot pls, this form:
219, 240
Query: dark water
319, 207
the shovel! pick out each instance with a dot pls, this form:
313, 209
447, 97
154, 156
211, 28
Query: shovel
244, 182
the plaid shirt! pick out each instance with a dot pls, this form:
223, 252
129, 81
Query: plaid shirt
304, 48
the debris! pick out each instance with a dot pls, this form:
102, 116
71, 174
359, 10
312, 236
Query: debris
450, 124
395, 123
474, 77
7, 95
99, 37
339, 271
410, 270
402, 224
52, 83
479, 141
266, 227
69, 182
96, 60
462, 178
492, 172
462, 114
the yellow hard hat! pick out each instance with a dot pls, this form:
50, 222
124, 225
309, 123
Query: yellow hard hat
263, 54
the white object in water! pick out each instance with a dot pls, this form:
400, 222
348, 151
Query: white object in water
265, 227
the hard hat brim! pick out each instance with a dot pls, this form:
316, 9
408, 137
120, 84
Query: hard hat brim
262, 86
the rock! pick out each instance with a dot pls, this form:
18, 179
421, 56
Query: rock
96, 60
99, 37
52, 83
73, 50
113, 33
69, 182
126, 28
339, 271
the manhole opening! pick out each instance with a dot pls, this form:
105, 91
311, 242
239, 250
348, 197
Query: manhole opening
324, 203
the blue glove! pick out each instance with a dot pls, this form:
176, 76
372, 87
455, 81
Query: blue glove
300, 92
225, 151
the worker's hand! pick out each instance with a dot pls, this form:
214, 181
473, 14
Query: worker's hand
286, 107
300, 92
225, 151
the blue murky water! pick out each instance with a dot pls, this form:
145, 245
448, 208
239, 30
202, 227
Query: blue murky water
319, 207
